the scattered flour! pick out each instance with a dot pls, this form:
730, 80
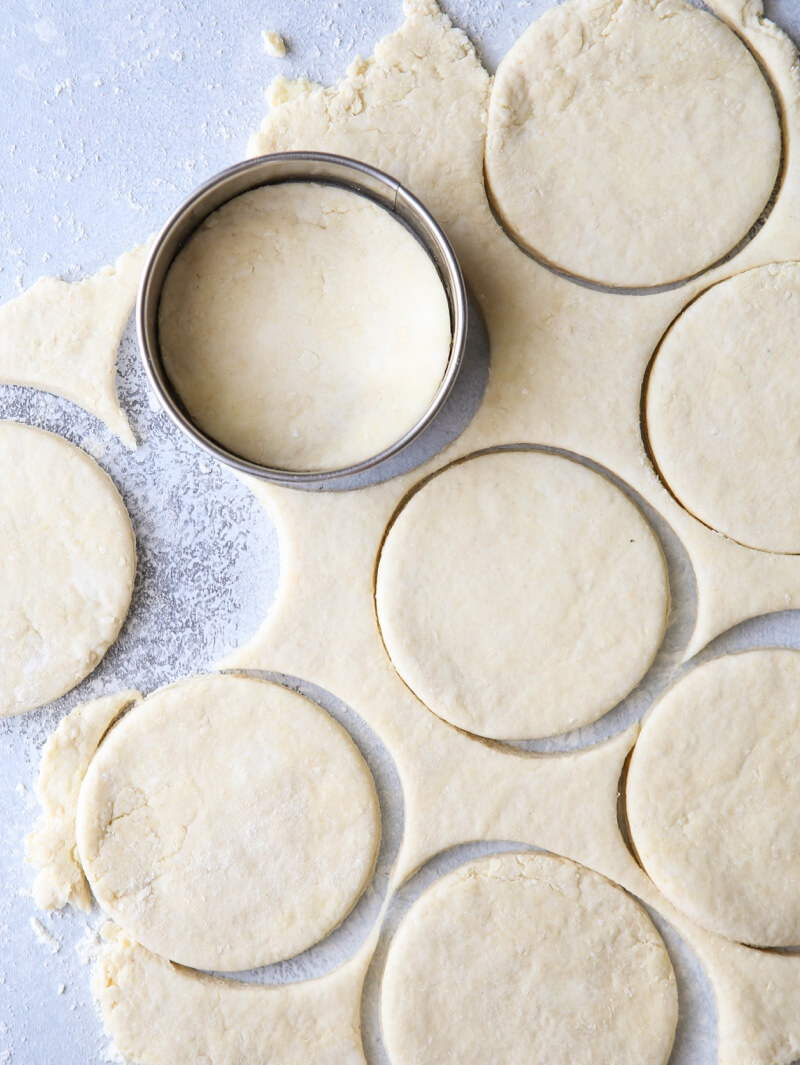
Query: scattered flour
45, 938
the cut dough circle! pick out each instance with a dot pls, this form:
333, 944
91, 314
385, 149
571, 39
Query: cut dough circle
712, 796
67, 566
527, 950
722, 396
631, 142
520, 594
227, 823
304, 327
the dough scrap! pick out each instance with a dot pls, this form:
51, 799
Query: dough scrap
274, 44
227, 823
66, 755
63, 337
631, 142
721, 400
66, 568
304, 327
527, 957
713, 794
162, 1014
520, 594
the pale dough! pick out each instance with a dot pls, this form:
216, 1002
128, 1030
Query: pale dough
304, 327
66, 755
227, 823
566, 369
63, 337
163, 1014
721, 403
274, 44
631, 142
520, 594
66, 567
713, 793
527, 958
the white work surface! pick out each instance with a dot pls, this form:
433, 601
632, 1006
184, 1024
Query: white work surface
111, 114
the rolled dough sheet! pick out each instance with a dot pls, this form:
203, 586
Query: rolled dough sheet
713, 792
51, 847
567, 365
567, 370
227, 823
527, 957
63, 337
721, 403
615, 127
304, 327
520, 594
66, 568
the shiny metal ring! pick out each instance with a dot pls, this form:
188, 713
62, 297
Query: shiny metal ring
269, 170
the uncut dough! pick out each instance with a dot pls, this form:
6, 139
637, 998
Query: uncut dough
713, 793
63, 337
66, 567
631, 142
528, 957
248, 848
304, 327
520, 594
722, 397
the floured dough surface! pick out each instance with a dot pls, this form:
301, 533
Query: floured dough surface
527, 957
713, 793
227, 823
722, 397
520, 594
51, 847
63, 337
631, 142
304, 327
66, 567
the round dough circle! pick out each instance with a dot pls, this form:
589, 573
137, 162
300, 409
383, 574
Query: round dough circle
713, 793
631, 143
227, 823
66, 568
721, 398
527, 950
520, 594
304, 327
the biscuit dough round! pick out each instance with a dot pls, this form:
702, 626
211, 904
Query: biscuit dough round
722, 397
528, 957
631, 142
713, 795
520, 594
67, 566
227, 822
304, 327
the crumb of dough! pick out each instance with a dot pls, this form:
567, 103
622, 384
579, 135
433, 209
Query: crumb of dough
274, 44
